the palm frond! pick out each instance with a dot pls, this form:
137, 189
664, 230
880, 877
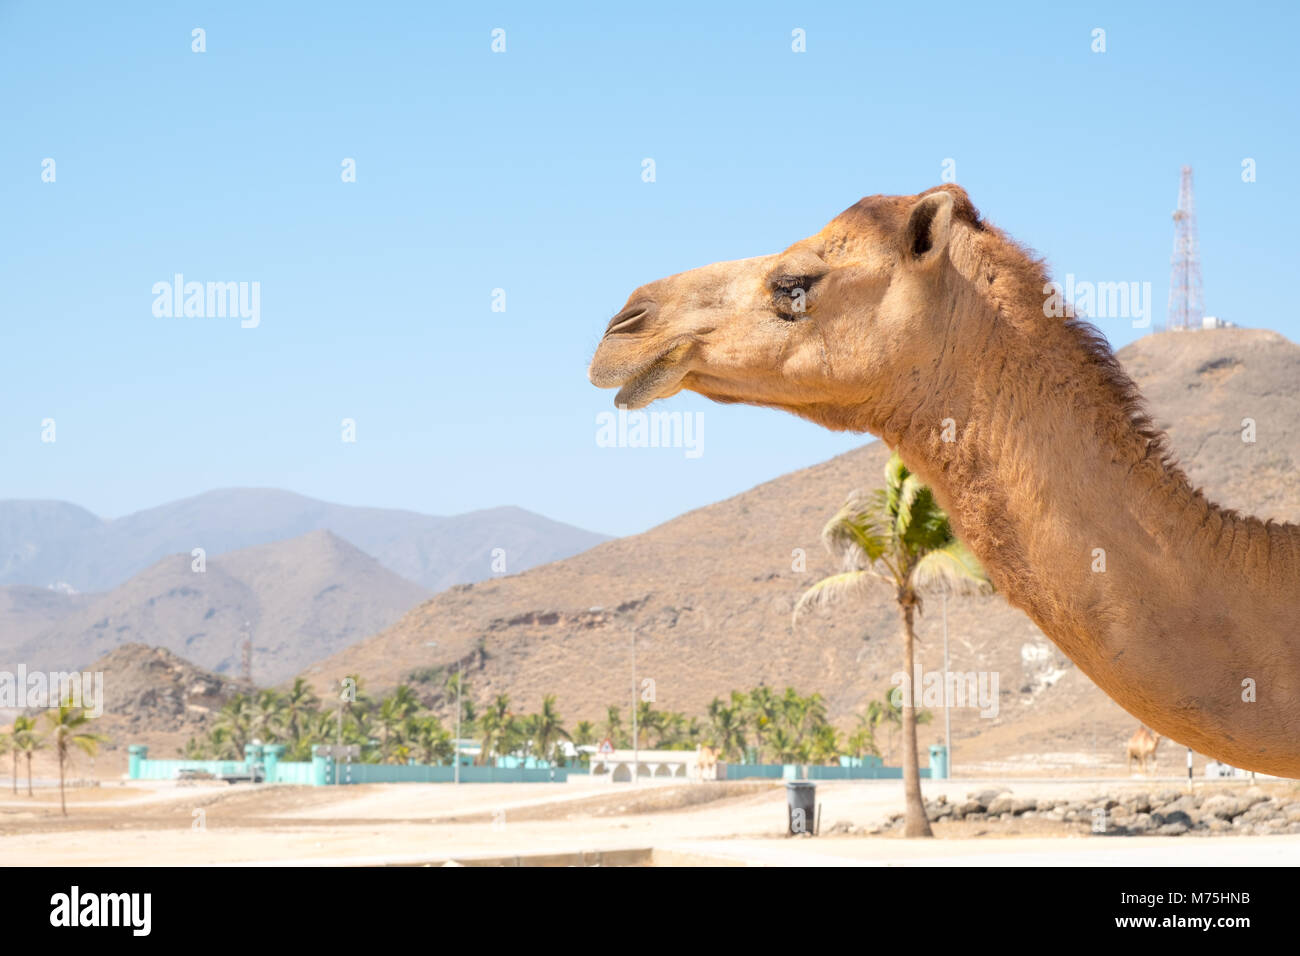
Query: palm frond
847, 584
950, 569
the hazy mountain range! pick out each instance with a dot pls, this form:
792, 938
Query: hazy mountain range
309, 577
53, 543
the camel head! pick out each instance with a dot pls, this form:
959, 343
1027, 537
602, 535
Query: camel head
831, 329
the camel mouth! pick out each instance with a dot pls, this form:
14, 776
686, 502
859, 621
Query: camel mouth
658, 378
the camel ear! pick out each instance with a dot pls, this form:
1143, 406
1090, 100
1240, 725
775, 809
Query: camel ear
928, 227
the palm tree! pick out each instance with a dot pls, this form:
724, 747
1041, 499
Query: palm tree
391, 716
783, 745
24, 740
430, 741
297, 709
648, 719
66, 730
863, 739
764, 709
496, 728
614, 726
898, 534
825, 745
803, 715
233, 722
727, 727
9, 745
266, 717
547, 729
888, 713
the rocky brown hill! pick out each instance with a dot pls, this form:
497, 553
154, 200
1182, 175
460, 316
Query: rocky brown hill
151, 689
708, 595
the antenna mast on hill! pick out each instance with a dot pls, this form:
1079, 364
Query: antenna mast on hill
1186, 298
246, 658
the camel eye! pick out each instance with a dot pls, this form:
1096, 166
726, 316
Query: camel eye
790, 295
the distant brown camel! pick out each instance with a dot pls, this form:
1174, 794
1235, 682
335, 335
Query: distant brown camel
912, 318
1141, 746
706, 766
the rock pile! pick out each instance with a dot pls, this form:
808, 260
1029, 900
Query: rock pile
1165, 813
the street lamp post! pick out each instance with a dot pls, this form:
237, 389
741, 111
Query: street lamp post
456, 744
636, 751
947, 704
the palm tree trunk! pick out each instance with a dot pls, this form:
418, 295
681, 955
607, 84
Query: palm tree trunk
917, 823
63, 801
29, 774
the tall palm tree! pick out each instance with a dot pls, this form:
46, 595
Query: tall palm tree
24, 740
898, 534
68, 729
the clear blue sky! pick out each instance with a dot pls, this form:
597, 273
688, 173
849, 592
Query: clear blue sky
522, 171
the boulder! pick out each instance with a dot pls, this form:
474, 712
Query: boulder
984, 797
1003, 803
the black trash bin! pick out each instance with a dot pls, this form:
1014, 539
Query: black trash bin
801, 806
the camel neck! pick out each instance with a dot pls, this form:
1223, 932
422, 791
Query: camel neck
1165, 600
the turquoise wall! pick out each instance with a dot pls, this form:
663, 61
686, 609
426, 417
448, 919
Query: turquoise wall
320, 773
776, 771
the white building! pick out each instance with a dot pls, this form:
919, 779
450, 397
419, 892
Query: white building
616, 766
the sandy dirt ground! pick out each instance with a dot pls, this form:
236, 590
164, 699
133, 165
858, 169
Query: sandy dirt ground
739, 823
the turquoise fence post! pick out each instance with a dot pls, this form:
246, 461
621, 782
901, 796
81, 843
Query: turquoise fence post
252, 757
136, 755
321, 765
271, 754
938, 762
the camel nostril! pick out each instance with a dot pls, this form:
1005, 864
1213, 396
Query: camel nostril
631, 318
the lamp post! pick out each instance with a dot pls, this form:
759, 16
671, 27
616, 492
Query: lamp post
947, 704
636, 751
